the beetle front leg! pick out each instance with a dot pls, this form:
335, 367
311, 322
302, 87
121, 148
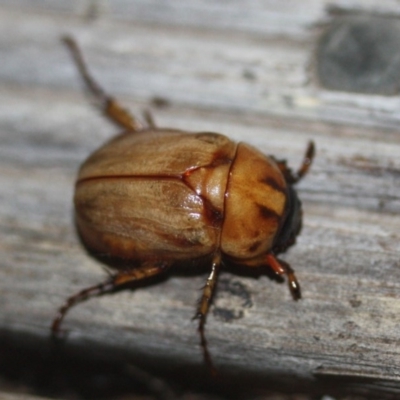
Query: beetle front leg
204, 305
109, 106
283, 268
112, 284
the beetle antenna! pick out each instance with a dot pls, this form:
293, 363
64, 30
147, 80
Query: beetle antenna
307, 161
109, 106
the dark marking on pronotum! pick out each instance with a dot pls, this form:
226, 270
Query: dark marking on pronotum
267, 213
255, 246
270, 181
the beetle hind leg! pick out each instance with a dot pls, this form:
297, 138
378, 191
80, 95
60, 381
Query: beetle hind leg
109, 106
203, 307
113, 283
283, 268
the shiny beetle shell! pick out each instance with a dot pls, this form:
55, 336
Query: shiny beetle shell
154, 198
169, 195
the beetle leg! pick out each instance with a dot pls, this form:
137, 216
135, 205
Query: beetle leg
305, 165
109, 106
203, 307
281, 267
110, 285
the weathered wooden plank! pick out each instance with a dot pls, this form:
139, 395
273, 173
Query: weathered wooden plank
347, 257
268, 77
283, 18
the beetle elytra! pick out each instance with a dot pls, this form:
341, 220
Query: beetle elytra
159, 198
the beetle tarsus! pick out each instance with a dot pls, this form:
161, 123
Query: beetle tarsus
293, 283
204, 346
281, 267
110, 107
294, 286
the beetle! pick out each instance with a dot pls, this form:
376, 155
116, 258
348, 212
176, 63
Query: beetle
157, 198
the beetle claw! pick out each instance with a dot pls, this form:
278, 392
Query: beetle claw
294, 286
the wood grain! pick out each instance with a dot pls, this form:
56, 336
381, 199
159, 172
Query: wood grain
249, 77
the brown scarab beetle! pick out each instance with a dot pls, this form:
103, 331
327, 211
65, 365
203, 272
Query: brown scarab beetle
159, 198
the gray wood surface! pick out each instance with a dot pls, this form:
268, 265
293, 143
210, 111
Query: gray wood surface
242, 70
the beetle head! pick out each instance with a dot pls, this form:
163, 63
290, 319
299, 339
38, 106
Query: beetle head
291, 226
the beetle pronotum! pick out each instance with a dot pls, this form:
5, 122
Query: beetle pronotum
159, 198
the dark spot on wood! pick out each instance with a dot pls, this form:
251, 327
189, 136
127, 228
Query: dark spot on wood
160, 102
288, 100
355, 302
227, 315
249, 74
358, 53
236, 288
231, 300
